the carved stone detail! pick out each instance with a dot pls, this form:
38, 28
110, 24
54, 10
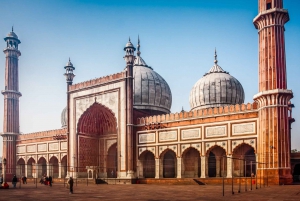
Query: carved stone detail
167, 136
215, 131
191, 134
147, 138
247, 128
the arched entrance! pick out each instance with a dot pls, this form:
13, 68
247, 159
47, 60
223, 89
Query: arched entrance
296, 173
147, 160
20, 168
112, 162
191, 163
169, 164
31, 171
217, 162
64, 167
95, 125
53, 167
42, 167
245, 161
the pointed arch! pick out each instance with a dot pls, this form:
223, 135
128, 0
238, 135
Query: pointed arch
245, 164
53, 167
20, 167
147, 160
216, 161
191, 163
97, 120
112, 161
169, 163
31, 167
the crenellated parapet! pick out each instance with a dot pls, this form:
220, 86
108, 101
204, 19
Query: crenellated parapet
97, 81
207, 112
42, 134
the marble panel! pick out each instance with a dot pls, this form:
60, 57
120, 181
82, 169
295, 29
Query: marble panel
42, 147
147, 138
53, 146
167, 136
190, 134
216, 131
21, 149
241, 129
63, 145
31, 148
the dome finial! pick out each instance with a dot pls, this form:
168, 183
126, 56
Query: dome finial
138, 46
129, 39
12, 28
216, 61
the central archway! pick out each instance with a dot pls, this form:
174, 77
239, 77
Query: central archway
96, 123
169, 164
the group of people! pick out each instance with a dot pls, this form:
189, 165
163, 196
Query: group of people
46, 180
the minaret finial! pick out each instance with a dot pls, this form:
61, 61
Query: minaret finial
129, 39
138, 46
69, 59
12, 28
216, 61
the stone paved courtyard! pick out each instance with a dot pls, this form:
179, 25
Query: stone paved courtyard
148, 192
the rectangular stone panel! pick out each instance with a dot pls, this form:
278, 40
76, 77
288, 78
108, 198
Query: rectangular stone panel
216, 131
167, 136
63, 145
53, 146
241, 129
147, 138
190, 134
21, 149
42, 147
31, 148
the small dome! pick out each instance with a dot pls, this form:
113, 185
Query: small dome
64, 118
69, 63
216, 88
12, 35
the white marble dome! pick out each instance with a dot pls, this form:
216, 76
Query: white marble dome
151, 91
216, 88
64, 118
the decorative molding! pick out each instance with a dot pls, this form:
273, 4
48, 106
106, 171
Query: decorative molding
31, 148
245, 128
42, 147
191, 134
216, 131
53, 146
21, 149
167, 136
147, 138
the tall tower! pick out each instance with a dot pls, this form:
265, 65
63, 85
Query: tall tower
11, 102
129, 59
273, 97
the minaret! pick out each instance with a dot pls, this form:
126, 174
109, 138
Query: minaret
273, 98
69, 79
11, 126
129, 58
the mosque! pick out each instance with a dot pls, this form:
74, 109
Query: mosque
120, 125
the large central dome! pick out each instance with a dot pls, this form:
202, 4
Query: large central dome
151, 91
216, 88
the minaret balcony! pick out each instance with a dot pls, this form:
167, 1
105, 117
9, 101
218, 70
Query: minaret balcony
11, 92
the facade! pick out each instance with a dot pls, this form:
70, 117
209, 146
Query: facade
120, 125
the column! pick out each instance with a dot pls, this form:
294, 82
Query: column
48, 169
229, 166
204, 165
218, 166
59, 169
26, 173
179, 161
157, 169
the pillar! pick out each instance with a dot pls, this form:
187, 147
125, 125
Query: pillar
179, 163
48, 169
26, 169
157, 168
140, 168
229, 166
59, 169
204, 165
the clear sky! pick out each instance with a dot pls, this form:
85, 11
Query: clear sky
178, 39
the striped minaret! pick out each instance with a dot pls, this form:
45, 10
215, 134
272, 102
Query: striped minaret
11, 103
273, 151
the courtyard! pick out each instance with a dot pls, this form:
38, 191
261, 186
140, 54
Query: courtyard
58, 192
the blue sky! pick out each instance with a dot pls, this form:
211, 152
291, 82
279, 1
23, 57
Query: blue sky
178, 39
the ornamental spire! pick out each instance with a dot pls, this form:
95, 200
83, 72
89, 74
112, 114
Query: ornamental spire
138, 46
216, 61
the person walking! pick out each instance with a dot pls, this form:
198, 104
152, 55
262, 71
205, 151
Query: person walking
1, 180
14, 181
50, 181
25, 179
70, 183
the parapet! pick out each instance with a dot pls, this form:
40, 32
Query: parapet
96, 81
207, 112
42, 134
